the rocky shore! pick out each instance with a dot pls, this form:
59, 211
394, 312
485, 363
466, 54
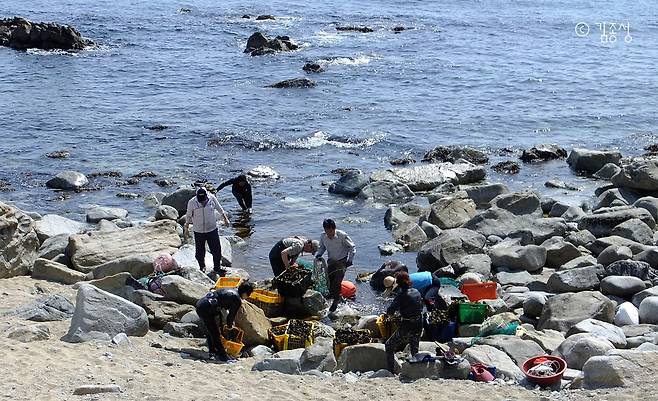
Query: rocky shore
580, 278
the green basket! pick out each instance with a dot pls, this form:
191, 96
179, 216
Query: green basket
471, 313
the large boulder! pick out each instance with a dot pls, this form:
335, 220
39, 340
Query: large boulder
362, 358
53, 246
160, 313
534, 304
530, 258
543, 152
563, 311
68, 180
21, 34
386, 192
410, 236
319, 356
100, 315
258, 44
93, 249
451, 212
137, 265
429, 176
602, 224
286, 362
640, 173
622, 368
649, 256
522, 278
98, 213
548, 340
452, 154
635, 230
600, 329
488, 355
19, 242
518, 349
559, 252
394, 217
435, 370
504, 224
622, 286
639, 297
633, 268
45, 269
52, 225
614, 253
574, 280
591, 161
627, 315
179, 198
350, 183
519, 203
182, 290
252, 320
450, 246
650, 204
649, 310
165, 212
578, 348
483, 194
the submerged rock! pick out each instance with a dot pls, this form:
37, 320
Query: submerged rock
294, 83
313, 67
362, 29
453, 153
543, 152
506, 167
68, 180
21, 34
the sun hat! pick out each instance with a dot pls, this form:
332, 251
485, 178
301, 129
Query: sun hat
390, 286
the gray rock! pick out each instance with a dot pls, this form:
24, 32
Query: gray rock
578, 348
558, 209
28, 334
53, 246
52, 225
639, 297
631, 369
574, 280
519, 203
649, 256
51, 308
640, 173
582, 261
479, 264
451, 212
165, 212
431, 231
633, 268
389, 248
573, 214
410, 236
635, 230
548, 340
501, 223
190, 266
261, 352
614, 253
650, 204
178, 199
137, 265
600, 244
68, 180
453, 154
183, 330
543, 152
483, 194
559, 252
162, 312
607, 172
314, 302
429, 176
297, 83
96, 214
18, 242
450, 246
649, 310
518, 349
534, 304
45, 269
488, 355
600, 329
530, 258
627, 314
182, 290
100, 315
252, 320
580, 238
602, 224
319, 356
615, 197
394, 217
350, 183
286, 364
362, 358
520, 278
563, 311
591, 161
96, 389
434, 370
386, 192
622, 286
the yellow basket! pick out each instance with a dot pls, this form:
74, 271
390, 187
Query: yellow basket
285, 341
270, 302
386, 329
232, 348
227, 282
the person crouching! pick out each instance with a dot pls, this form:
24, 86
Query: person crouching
409, 303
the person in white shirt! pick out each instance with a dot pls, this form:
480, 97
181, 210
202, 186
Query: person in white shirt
201, 214
340, 254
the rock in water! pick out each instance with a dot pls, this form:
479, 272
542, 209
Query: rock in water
640, 173
18, 240
100, 315
294, 83
51, 225
68, 180
543, 152
21, 34
349, 184
429, 176
506, 167
451, 154
258, 44
387, 192
96, 214
89, 251
313, 67
178, 199
591, 161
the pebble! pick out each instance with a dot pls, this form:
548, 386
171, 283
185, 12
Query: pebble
97, 389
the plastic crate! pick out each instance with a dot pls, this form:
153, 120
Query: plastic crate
442, 333
479, 291
227, 282
283, 341
232, 347
386, 328
470, 313
270, 302
448, 281
293, 288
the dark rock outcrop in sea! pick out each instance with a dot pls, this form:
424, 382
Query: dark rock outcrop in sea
313, 67
21, 34
294, 83
543, 152
506, 167
453, 153
258, 44
362, 29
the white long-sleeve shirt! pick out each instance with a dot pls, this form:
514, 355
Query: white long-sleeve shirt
202, 217
339, 247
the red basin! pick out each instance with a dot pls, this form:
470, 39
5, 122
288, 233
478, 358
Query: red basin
544, 381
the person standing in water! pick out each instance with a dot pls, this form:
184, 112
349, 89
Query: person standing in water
201, 214
241, 189
340, 254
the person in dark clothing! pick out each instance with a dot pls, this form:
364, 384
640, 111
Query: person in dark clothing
241, 189
210, 307
432, 296
387, 269
409, 303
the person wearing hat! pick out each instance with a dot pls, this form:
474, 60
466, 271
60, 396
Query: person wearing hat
409, 304
201, 214
284, 254
427, 283
241, 189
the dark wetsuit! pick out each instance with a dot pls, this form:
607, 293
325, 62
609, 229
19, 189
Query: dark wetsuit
241, 189
409, 303
390, 268
209, 307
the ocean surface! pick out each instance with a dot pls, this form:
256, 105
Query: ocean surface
493, 74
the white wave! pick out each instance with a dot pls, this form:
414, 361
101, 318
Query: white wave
361, 59
322, 138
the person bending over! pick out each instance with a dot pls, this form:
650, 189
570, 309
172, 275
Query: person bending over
210, 307
241, 189
284, 254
